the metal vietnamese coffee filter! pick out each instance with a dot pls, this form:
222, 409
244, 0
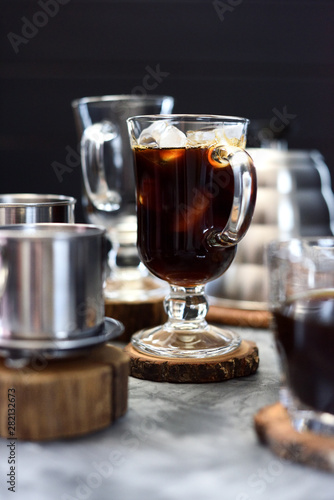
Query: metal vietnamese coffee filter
51, 287
30, 208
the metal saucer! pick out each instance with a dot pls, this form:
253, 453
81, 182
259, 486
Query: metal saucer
16, 349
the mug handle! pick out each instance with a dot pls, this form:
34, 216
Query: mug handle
101, 190
244, 197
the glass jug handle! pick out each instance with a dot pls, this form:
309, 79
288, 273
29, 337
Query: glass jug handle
101, 189
244, 193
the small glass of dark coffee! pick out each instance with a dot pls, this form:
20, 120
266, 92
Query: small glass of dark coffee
301, 294
196, 191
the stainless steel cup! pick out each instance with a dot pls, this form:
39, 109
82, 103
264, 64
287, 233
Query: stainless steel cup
30, 208
51, 281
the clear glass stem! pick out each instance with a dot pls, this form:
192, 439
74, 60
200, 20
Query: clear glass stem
186, 333
186, 309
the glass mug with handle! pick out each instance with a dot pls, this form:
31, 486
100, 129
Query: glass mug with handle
196, 192
301, 299
109, 187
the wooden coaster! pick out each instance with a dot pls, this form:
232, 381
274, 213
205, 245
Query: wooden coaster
242, 362
239, 317
136, 315
274, 428
64, 398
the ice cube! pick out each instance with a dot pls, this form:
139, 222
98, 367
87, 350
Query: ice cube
150, 136
200, 138
230, 134
234, 130
172, 137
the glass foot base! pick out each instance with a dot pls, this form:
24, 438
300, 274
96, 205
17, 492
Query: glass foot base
304, 418
312, 421
208, 342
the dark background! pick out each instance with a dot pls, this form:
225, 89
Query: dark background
256, 58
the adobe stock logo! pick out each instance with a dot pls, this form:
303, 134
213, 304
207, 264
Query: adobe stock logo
30, 28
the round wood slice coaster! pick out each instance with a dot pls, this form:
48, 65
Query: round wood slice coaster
274, 428
64, 398
136, 315
242, 362
239, 317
